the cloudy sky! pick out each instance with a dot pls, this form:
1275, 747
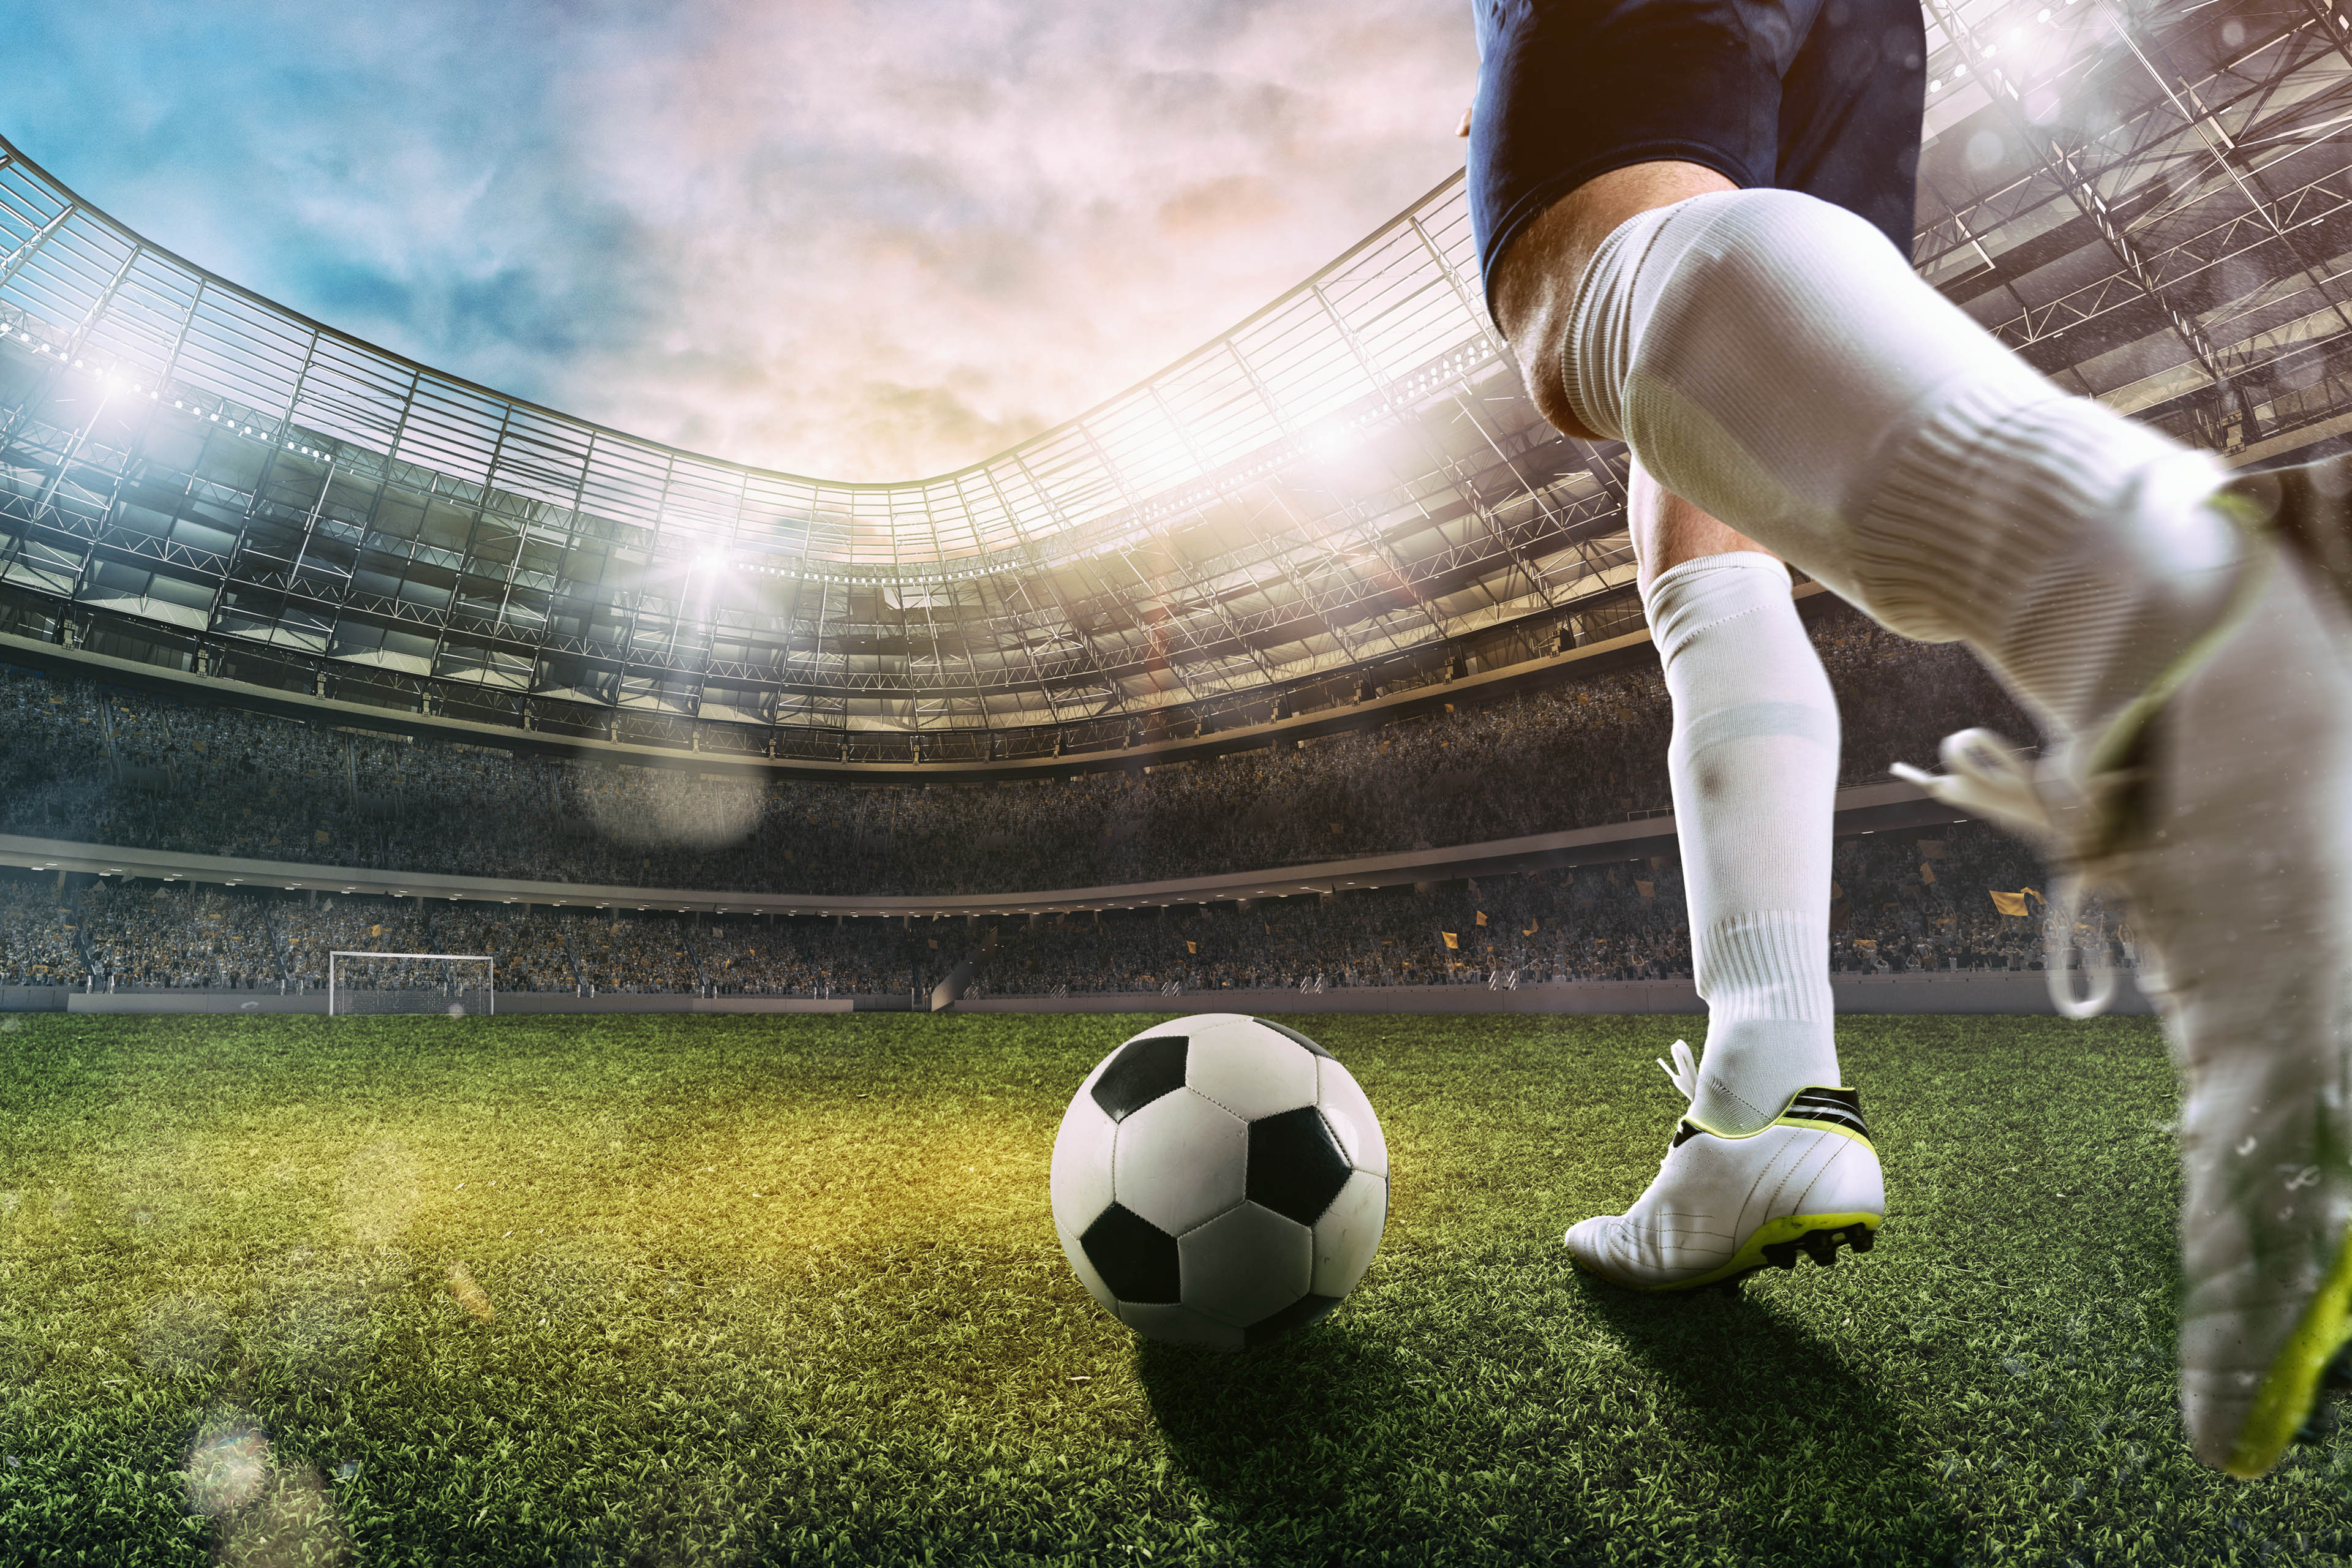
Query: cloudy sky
860, 240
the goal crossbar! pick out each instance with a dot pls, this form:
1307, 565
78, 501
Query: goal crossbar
489, 969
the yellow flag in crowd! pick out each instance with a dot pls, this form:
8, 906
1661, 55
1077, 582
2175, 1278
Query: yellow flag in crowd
1192, 947
1647, 889
1482, 917
1451, 940
2012, 903
1927, 872
1532, 924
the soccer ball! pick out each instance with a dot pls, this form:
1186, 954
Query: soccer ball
1220, 1180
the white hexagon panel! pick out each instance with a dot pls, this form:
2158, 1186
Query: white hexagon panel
1246, 1264
1219, 1181
1348, 1234
1180, 1326
1080, 1179
1179, 1161
1349, 1111
1084, 1268
1233, 1063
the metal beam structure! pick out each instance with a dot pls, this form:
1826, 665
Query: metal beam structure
2152, 202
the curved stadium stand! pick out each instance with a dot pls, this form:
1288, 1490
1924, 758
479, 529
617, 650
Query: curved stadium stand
1325, 594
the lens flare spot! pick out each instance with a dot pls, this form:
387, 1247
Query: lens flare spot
469, 1295
226, 1469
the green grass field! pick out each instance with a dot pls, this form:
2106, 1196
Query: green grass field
717, 1289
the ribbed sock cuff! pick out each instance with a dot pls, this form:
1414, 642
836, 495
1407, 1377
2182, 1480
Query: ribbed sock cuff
1767, 966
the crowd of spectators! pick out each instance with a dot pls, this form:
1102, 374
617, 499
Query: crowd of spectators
178, 935
36, 935
107, 766
1901, 901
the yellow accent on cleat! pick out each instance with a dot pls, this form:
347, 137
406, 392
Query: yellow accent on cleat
2292, 1385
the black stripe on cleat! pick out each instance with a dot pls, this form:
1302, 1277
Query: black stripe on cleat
1838, 1107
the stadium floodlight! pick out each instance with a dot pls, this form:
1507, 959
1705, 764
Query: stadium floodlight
454, 983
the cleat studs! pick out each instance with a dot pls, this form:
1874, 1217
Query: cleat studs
1822, 1248
1781, 1253
1864, 1238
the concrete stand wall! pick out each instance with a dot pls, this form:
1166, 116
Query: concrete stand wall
2021, 994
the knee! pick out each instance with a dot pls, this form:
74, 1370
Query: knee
1538, 276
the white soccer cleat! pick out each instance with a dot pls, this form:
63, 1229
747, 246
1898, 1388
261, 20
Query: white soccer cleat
2225, 817
1724, 1207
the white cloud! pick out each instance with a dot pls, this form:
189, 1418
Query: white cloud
863, 241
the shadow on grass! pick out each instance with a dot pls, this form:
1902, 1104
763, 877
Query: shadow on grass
1296, 1444
1734, 1436
1807, 1460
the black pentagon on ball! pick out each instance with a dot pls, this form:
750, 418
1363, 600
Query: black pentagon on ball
1298, 1315
1296, 1167
1286, 1029
1134, 1257
1143, 1070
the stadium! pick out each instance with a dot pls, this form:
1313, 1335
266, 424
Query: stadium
344, 702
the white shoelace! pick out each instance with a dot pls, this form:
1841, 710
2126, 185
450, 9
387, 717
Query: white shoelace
1991, 779
1683, 1074
1987, 778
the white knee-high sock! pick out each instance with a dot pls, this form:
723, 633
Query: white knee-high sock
1754, 763
1770, 358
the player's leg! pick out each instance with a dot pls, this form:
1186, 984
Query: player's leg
1621, 107
1771, 1156
1753, 762
2191, 674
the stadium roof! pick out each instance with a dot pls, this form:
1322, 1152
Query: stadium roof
2150, 202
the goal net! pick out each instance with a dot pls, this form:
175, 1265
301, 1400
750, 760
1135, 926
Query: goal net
456, 985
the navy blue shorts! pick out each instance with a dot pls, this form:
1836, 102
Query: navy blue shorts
1818, 96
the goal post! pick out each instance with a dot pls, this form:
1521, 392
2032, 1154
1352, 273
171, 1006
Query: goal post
455, 983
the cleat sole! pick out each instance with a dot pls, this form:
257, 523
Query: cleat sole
1774, 1246
2284, 1404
